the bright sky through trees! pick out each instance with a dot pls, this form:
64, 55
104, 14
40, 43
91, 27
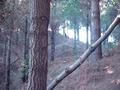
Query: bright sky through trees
82, 34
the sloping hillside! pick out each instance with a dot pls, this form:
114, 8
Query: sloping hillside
105, 77
64, 46
63, 53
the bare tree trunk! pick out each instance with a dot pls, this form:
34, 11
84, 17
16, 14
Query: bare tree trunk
87, 28
17, 38
75, 38
84, 56
5, 50
95, 30
26, 47
5, 59
53, 25
26, 53
8, 62
39, 19
77, 33
75, 42
53, 28
64, 32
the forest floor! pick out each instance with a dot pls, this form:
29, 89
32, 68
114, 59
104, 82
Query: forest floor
105, 77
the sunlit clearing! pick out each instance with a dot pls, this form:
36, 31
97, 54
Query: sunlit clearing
82, 34
70, 34
111, 39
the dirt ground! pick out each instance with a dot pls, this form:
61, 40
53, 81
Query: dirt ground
105, 77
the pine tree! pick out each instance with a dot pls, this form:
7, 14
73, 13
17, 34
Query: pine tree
39, 17
95, 30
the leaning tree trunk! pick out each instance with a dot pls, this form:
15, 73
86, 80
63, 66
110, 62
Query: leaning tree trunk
95, 29
39, 19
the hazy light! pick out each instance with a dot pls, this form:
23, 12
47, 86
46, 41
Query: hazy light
82, 34
111, 39
70, 33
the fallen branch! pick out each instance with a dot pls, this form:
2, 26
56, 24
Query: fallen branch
84, 56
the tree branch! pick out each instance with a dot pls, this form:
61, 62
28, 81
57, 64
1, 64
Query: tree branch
84, 56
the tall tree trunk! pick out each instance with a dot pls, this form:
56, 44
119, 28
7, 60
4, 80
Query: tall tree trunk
17, 37
77, 28
75, 38
87, 28
39, 17
26, 53
64, 32
26, 47
8, 62
75, 44
95, 29
53, 28
5, 50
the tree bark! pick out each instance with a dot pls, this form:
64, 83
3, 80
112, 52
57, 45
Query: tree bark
95, 30
39, 19
84, 56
